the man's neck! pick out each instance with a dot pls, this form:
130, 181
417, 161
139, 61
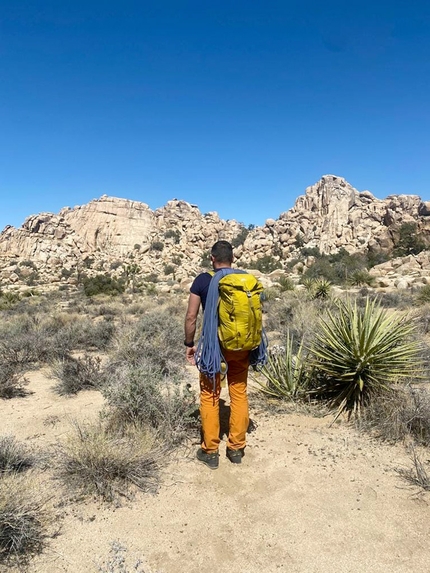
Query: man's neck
217, 266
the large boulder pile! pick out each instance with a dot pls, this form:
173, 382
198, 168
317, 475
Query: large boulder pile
109, 235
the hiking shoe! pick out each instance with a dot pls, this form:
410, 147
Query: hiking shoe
211, 460
235, 456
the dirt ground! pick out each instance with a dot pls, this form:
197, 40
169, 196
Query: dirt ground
307, 498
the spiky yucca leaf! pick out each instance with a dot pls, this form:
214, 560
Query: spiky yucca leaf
284, 373
362, 351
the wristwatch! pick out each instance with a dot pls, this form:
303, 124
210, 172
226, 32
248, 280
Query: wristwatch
189, 344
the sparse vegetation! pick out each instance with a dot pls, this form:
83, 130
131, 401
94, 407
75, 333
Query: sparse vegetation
140, 395
286, 283
241, 236
418, 474
399, 414
94, 460
156, 337
423, 296
205, 261
14, 456
12, 382
23, 519
75, 374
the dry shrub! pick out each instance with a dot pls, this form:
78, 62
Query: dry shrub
295, 314
23, 519
157, 337
96, 461
27, 340
12, 383
75, 374
402, 413
141, 395
14, 457
417, 475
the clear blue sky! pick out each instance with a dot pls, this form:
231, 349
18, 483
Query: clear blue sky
236, 106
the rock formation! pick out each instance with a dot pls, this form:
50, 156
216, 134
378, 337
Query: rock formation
107, 234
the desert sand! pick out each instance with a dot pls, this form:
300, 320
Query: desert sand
309, 497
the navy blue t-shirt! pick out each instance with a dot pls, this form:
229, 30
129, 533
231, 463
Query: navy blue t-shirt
200, 286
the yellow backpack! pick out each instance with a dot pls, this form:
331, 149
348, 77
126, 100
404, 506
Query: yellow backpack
240, 322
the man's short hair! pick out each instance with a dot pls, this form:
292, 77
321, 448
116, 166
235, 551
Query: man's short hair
222, 252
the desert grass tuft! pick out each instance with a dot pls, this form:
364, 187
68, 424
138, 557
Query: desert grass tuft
95, 461
157, 336
418, 474
12, 383
75, 374
141, 395
14, 457
402, 413
23, 519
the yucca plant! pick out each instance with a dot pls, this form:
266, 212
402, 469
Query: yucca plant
284, 374
321, 288
360, 352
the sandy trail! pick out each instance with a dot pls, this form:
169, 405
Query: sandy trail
308, 498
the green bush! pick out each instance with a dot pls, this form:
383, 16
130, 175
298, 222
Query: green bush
240, 237
173, 234
88, 262
409, 241
286, 284
8, 299
157, 246
423, 296
266, 264
102, 284
361, 278
336, 268
66, 273
310, 252
205, 261
321, 288
151, 278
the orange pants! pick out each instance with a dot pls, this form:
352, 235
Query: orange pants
237, 375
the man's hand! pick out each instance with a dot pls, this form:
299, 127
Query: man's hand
190, 352
190, 326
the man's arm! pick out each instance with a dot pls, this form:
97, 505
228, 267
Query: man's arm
190, 325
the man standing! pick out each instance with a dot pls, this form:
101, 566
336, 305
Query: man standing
237, 374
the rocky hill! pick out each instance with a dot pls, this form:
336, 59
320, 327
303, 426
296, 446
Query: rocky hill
111, 235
